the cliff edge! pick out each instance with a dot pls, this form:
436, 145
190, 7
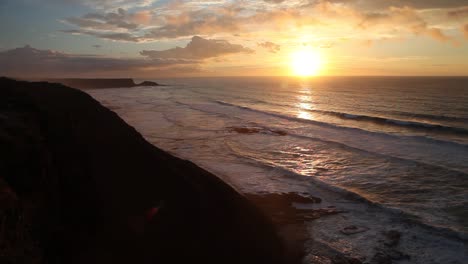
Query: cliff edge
79, 185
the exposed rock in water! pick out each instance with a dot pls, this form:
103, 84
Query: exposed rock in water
78, 185
387, 252
393, 238
352, 229
147, 83
257, 130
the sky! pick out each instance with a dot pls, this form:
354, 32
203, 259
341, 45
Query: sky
163, 38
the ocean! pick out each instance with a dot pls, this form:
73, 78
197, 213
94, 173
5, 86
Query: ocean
391, 151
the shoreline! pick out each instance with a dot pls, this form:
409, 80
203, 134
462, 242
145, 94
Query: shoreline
323, 224
199, 141
349, 229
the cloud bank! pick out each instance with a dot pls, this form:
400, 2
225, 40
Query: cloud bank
367, 19
31, 62
198, 49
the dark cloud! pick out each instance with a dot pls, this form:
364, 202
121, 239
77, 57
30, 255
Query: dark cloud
97, 46
198, 49
104, 35
106, 4
107, 21
270, 46
31, 62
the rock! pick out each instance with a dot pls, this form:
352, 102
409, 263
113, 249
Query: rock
392, 238
352, 229
321, 253
255, 130
147, 83
381, 258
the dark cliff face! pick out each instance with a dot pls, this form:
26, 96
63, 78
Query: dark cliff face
78, 185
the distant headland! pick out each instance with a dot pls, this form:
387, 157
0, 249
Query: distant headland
84, 83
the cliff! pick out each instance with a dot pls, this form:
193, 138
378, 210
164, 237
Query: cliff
79, 185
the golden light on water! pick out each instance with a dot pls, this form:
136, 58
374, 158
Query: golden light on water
304, 105
306, 62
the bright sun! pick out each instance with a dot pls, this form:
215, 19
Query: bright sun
305, 62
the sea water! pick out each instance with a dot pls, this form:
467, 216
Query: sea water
393, 151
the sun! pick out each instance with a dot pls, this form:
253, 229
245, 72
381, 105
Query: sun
305, 62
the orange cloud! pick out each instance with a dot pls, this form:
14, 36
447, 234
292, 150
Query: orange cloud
270, 46
142, 17
438, 34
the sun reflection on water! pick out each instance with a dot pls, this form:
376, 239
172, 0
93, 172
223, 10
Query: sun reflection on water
304, 104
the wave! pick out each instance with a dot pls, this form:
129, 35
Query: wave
404, 215
324, 124
433, 117
387, 156
273, 131
382, 120
395, 122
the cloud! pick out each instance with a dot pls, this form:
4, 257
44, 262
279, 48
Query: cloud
198, 49
437, 34
142, 17
105, 35
363, 19
31, 62
97, 46
459, 12
270, 46
274, 1
108, 4
209, 21
146, 25
107, 21
405, 18
417, 4
465, 30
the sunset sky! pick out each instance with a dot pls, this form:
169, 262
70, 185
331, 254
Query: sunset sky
158, 38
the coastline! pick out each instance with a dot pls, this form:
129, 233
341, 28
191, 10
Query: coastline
202, 133
326, 225
83, 186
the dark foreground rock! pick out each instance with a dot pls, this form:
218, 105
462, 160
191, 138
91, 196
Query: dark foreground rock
101, 83
78, 185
